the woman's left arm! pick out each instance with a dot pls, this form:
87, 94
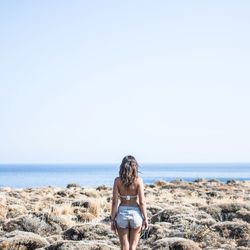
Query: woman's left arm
114, 205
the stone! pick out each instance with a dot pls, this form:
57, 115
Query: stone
22, 240
87, 231
233, 230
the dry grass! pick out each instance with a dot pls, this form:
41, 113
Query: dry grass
91, 193
160, 183
3, 206
193, 200
40, 206
4, 245
49, 205
106, 206
216, 201
95, 207
62, 209
85, 217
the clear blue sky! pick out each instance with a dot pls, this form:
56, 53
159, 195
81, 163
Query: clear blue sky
92, 81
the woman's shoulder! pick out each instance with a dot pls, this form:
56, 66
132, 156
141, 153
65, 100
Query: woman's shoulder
117, 180
138, 179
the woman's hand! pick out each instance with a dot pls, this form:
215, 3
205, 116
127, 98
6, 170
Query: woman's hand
113, 226
145, 224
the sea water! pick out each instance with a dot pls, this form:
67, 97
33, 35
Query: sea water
93, 175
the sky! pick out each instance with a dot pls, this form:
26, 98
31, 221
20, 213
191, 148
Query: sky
93, 81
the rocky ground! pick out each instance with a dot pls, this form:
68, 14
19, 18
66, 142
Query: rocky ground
203, 214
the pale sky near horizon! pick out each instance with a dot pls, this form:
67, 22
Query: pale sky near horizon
92, 81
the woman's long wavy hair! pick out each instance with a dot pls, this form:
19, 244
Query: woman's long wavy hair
128, 170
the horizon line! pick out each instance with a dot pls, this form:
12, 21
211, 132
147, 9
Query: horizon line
104, 163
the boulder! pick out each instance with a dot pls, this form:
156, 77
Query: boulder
102, 187
22, 240
79, 245
165, 214
85, 217
62, 193
81, 203
70, 185
233, 230
15, 211
54, 238
226, 211
37, 222
175, 243
244, 243
158, 231
87, 231
199, 180
231, 182
153, 209
243, 214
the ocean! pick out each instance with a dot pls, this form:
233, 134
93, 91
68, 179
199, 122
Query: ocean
93, 175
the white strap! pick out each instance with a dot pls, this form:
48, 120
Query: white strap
128, 197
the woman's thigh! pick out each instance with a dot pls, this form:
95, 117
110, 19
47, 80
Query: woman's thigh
123, 237
134, 237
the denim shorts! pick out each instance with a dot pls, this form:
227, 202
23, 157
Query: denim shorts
129, 216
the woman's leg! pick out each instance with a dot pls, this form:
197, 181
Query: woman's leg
124, 238
134, 236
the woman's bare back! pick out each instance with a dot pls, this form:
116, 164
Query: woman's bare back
128, 195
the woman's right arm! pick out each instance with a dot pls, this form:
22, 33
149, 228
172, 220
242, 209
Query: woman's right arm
142, 202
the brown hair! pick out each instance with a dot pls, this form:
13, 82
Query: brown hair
128, 170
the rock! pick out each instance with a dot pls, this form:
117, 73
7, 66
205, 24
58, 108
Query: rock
39, 223
234, 230
102, 187
15, 201
244, 243
214, 211
160, 183
153, 209
159, 230
165, 214
151, 185
226, 211
22, 240
76, 245
198, 180
212, 194
85, 217
214, 180
176, 181
227, 247
207, 222
231, 182
70, 185
15, 211
87, 231
229, 211
243, 214
81, 203
62, 193
175, 243
161, 245
54, 238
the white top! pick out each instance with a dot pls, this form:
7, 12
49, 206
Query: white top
128, 197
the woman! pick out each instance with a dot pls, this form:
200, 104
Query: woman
131, 216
